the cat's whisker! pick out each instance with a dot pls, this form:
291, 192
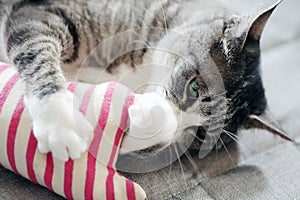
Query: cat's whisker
216, 148
211, 141
232, 136
170, 165
236, 139
219, 94
227, 150
142, 42
216, 151
180, 164
196, 137
191, 160
231, 133
165, 19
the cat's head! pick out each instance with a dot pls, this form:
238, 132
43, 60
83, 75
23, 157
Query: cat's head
216, 74
214, 86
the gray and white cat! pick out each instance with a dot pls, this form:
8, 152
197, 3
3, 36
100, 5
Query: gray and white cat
46, 39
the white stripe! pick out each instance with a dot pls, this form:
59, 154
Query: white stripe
21, 144
139, 192
113, 123
100, 180
79, 176
5, 76
119, 187
5, 118
39, 166
58, 176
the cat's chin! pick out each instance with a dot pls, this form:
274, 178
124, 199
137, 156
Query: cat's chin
145, 160
135, 145
145, 152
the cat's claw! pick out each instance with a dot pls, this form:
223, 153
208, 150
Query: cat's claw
58, 126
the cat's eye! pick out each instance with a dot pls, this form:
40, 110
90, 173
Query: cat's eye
193, 89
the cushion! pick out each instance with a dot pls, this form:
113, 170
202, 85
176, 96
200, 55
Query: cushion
93, 176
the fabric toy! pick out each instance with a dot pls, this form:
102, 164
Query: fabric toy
93, 176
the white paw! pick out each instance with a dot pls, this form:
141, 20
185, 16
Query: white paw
58, 125
152, 122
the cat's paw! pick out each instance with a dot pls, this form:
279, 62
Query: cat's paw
58, 125
152, 122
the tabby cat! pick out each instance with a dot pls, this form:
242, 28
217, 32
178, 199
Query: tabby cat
46, 39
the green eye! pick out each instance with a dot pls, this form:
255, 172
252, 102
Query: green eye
193, 89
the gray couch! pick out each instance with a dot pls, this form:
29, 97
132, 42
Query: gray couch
262, 166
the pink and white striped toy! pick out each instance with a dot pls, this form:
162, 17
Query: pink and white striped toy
86, 178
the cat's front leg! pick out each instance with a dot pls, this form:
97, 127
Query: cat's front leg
58, 126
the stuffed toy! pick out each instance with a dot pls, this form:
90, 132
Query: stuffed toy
93, 175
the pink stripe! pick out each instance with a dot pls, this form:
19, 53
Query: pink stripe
110, 177
7, 88
3, 68
122, 127
93, 149
48, 175
110, 191
130, 190
69, 165
86, 99
90, 177
68, 179
30, 153
105, 108
12, 132
72, 87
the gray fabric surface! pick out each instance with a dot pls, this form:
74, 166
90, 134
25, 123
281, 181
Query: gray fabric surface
18, 188
270, 175
261, 166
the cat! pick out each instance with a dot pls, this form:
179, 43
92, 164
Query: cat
46, 39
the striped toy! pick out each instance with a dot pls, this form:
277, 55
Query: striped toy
93, 176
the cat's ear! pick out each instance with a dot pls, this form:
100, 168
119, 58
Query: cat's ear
239, 29
259, 22
266, 121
